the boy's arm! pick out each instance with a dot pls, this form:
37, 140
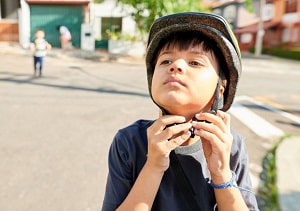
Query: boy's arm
48, 46
217, 140
144, 190
32, 46
229, 198
161, 142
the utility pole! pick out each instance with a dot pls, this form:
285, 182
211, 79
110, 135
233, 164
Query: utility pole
260, 30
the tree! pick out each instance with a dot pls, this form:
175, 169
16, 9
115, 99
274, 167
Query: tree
249, 5
98, 1
144, 12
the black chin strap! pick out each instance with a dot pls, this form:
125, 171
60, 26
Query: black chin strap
218, 100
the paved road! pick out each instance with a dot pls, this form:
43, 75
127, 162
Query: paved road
55, 131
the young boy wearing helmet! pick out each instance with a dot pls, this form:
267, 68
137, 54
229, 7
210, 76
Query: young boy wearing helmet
189, 158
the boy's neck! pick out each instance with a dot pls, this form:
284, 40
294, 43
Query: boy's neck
191, 141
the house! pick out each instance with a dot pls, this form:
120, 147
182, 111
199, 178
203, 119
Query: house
9, 28
281, 25
281, 21
234, 11
48, 14
20, 18
110, 19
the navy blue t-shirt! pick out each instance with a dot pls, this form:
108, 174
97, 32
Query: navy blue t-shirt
128, 154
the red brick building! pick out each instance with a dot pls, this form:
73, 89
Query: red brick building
281, 21
281, 25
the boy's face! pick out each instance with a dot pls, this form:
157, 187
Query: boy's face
39, 34
184, 81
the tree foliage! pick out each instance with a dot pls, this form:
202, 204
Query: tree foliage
144, 12
249, 5
98, 1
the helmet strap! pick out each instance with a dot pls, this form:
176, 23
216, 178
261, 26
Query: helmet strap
218, 99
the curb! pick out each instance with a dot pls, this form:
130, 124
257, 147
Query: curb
288, 169
16, 49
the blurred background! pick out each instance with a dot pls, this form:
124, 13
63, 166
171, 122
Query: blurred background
55, 130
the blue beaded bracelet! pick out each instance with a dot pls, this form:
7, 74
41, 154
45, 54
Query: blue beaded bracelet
229, 184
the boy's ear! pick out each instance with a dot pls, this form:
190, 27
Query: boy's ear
222, 90
221, 97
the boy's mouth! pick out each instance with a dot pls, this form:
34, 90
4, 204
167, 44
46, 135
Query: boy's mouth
174, 81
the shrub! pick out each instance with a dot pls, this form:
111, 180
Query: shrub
292, 53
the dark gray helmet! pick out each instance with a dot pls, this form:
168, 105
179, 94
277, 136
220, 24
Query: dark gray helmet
210, 25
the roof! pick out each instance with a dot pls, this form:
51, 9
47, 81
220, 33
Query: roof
253, 27
69, 2
219, 3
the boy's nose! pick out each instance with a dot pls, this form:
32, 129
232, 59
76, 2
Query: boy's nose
178, 66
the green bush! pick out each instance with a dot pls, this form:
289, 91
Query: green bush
293, 53
268, 196
267, 192
285, 53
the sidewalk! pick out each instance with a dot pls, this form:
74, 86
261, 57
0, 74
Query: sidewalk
288, 169
15, 48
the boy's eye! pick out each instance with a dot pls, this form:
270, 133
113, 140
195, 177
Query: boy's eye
166, 61
195, 63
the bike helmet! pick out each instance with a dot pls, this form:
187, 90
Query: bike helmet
210, 25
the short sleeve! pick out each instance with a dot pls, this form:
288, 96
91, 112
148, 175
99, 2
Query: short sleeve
240, 165
119, 179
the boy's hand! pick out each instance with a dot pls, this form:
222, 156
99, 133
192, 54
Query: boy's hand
216, 141
162, 140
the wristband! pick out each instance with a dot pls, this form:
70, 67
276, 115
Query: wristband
229, 184
224, 185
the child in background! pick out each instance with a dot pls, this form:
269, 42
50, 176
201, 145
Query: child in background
40, 47
65, 37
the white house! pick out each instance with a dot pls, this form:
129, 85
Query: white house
110, 16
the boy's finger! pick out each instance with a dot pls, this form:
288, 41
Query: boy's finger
221, 119
163, 122
175, 130
225, 117
173, 143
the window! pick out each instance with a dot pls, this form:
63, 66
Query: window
290, 6
246, 38
217, 11
9, 9
230, 13
111, 24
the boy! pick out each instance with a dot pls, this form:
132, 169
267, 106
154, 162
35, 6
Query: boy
187, 159
40, 47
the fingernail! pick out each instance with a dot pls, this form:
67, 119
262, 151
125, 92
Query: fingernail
189, 124
194, 123
188, 133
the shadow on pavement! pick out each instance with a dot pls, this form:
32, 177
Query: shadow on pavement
35, 81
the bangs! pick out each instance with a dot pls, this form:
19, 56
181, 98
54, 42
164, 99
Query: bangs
185, 40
